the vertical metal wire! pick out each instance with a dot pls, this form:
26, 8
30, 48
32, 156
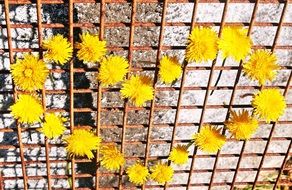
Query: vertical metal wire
158, 55
130, 59
163, 23
19, 132
285, 92
99, 91
40, 39
270, 138
1, 181
231, 102
207, 93
181, 91
283, 164
71, 90
244, 142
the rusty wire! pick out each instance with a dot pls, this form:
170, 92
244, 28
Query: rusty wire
153, 106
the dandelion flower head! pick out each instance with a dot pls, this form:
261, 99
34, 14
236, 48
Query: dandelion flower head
269, 104
53, 126
202, 45
262, 66
169, 69
29, 73
112, 69
138, 89
82, 142
27, 109
241, 125
59, 50
112, 158
209, 139
161, 173
235, 43
179, 154
91, 49
138, 174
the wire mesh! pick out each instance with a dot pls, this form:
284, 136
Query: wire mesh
92, 177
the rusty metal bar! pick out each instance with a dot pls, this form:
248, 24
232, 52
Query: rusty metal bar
130, 59
157, 141
284, 94
207, 91
232, 99
282, 166
164, 125
99, 93
181, 91
19, 135
148, 48
141, 24
152, 107
159, 89
269, 140
40, 39
71, 74
244, 142
126, 108
140, 1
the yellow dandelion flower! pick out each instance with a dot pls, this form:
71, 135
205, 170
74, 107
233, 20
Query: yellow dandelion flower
179, 154
269, 104
138, 89
53, 126
112, 158
27, 109
137, 173
241, 125
91, 49
169, 69
82, 142
112, 69
59, 50
202, 45
29, 73
262, 66
161, 173
209, 139
235, 43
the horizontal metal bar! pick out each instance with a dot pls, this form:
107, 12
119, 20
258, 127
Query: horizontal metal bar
39, 177
141, 24
145, 108
139, 142
139, 1
147, 48
139, 69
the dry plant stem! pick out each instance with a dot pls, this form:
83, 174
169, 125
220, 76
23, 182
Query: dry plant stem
219, 76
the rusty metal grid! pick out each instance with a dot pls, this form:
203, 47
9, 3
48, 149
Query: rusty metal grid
71, 26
